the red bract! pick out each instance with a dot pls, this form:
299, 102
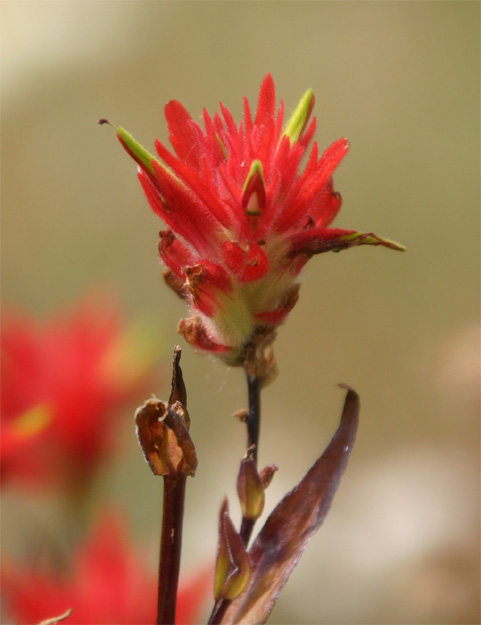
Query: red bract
107, 583
63, 383
242, 216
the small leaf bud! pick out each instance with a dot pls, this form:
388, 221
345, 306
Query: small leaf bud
250, 489
232, 567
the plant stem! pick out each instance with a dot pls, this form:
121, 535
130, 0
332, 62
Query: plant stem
253, 422
245, 531
253, 419
170, 544
218, 612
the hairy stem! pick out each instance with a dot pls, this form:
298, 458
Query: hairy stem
170, 546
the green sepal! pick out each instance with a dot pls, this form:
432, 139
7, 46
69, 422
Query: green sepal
299, 117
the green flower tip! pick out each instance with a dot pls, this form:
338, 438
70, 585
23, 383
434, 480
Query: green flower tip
253, 192
299, 117
255, 169
138, 152
369, 238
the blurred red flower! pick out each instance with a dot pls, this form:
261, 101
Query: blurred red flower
107, 583
63, 383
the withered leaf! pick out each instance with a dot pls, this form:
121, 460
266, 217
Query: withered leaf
178, 391
164, 438
280, 543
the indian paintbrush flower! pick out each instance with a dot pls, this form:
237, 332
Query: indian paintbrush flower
242, 217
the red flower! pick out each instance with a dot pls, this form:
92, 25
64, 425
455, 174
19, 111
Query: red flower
62, 384
107, 583
242, 217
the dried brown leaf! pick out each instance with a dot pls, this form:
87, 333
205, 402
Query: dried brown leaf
164, 439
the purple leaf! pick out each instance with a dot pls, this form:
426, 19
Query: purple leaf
280, 543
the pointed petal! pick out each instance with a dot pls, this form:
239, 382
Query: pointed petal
369, 238
184, 133
310, 187
206, 195
299, 117
266, 102
214, 149
137, 151
306, 136
247, 116
326, 208
186, 212
319, 240
183, 220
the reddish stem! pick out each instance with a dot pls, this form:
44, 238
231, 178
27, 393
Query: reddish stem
253, 419
218, 612
170, 546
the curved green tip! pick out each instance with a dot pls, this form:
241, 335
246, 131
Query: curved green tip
143, 156
138, 152
369, 238
299, 117
254, 170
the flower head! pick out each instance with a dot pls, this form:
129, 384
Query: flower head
242, 217
63, 383
107, 582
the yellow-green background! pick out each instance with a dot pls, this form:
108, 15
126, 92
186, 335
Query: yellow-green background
401, 81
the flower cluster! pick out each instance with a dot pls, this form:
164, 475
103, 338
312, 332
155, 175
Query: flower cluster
242, 216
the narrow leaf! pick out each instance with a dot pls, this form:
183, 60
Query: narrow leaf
232, 562
279, 545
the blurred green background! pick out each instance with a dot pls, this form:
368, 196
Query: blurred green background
401, 81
